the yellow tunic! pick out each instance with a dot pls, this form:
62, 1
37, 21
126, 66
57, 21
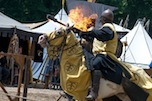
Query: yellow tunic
108, 46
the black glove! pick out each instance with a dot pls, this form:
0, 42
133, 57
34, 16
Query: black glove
87, 35
75, 30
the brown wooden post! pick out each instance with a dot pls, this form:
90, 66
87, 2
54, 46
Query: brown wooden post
20, 59
26, 77
12, 71
31, 47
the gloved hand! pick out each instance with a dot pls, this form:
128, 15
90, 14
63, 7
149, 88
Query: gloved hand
87, 35
75, 30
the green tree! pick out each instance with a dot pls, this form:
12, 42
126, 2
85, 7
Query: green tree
29, 10
36, 10
135, 8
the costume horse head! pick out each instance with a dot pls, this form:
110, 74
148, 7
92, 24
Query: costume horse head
75, 79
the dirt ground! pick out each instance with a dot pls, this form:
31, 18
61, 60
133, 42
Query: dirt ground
34, 94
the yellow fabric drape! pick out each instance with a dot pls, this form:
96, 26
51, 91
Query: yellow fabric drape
75, 79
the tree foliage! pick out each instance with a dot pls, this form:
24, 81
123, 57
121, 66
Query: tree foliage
137, 9
36, 10
29, 10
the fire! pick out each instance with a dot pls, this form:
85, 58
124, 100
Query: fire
80, 21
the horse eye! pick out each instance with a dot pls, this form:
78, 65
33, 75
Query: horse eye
57, 33
41, 38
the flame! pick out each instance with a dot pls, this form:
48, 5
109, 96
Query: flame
80, 21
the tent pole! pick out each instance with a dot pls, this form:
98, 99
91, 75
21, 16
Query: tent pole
125, 45
41, 72
63, 1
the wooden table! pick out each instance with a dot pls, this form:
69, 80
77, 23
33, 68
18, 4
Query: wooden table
22, 61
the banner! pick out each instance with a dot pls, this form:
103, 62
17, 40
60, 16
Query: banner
91, 0
63, 3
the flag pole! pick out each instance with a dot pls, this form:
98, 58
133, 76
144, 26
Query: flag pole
126, 22
91, 1
63, 1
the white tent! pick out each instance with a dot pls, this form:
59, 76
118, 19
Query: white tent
139, 48
7, 22
120, 29
8, 26
51, 25
47, 28
35, 25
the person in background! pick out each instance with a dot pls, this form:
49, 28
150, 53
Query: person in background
4, 71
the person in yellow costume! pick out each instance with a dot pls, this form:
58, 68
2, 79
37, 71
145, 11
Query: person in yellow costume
103, 62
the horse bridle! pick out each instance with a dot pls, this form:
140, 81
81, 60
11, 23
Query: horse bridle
63, 42
59, 48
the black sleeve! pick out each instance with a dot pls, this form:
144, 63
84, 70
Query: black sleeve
103, 34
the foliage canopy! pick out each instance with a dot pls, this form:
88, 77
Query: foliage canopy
36, 10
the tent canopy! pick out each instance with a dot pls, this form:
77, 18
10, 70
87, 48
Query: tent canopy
35, 25
7, 22
9, 26
120, 29
51, 25
139, 49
